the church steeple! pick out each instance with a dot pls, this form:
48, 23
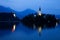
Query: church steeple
39, 9
39, 12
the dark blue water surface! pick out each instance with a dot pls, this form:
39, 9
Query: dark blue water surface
24, 33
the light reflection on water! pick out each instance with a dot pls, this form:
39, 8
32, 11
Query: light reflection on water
23, 33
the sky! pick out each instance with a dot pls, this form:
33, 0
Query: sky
20, 5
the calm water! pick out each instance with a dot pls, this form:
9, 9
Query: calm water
24, 33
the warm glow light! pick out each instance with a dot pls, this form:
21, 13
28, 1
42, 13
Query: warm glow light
14, 15
14, 27
39, 13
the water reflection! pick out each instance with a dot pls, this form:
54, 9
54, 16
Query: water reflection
10, 30
36, 21
7, 20
8, 23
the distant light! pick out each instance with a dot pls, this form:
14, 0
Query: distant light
34, 15
14, 15
39, 29
14, 27
56, 23
39, 13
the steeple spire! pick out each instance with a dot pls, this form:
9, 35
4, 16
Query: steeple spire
39, 11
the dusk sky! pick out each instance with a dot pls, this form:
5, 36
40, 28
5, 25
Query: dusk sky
20, 5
